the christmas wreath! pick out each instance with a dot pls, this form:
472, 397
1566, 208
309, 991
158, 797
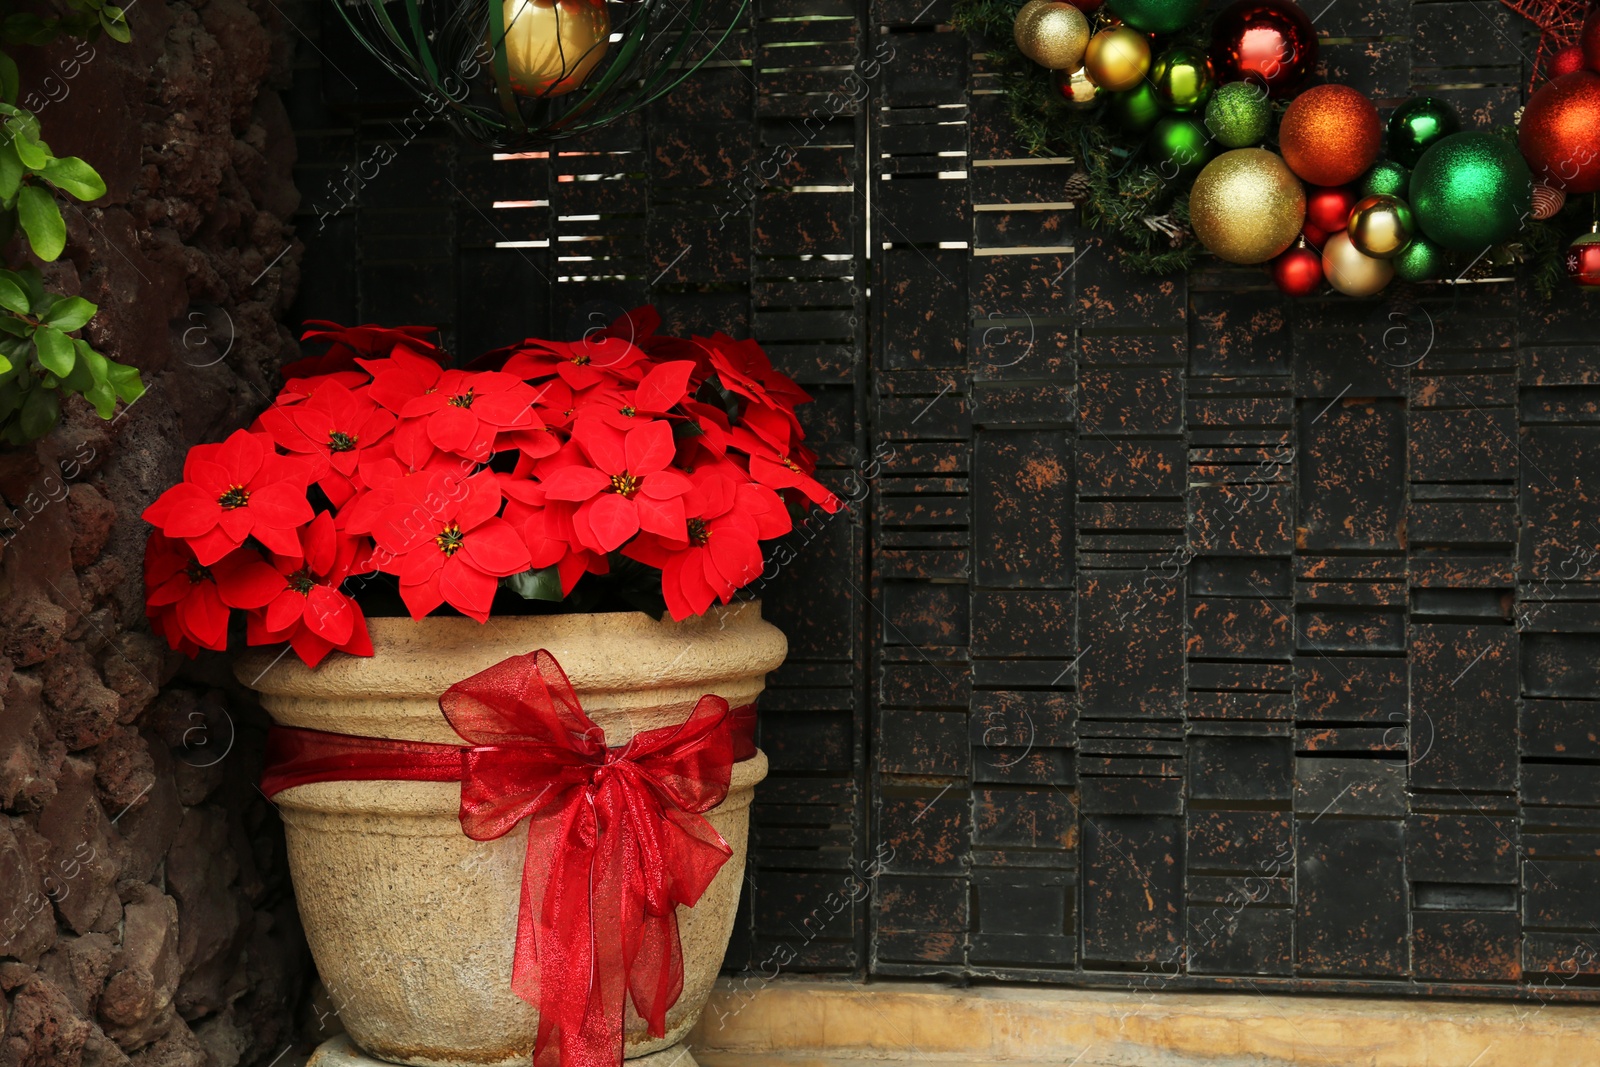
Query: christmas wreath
1198, 132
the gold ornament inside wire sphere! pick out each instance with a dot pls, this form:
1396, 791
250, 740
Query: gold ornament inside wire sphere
1381, 226
1052, 34
1246, 206
1117, 59
552, 46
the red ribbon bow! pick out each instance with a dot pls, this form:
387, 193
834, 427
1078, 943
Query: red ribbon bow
616, 838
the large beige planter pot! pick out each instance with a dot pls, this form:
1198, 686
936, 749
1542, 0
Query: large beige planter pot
411, 922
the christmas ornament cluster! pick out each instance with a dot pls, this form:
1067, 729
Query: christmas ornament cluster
1209, 121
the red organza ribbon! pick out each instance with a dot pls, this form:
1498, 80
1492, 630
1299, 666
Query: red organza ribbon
616, 837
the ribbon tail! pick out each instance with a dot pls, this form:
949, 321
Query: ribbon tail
579, 916
655, 975
554, 963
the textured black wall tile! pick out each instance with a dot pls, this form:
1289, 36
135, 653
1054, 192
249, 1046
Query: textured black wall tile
1174, 627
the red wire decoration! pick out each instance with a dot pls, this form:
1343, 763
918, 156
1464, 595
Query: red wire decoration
616, 836
1558, 22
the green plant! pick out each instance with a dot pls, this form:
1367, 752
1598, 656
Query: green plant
38, 359
83, 18
39, 356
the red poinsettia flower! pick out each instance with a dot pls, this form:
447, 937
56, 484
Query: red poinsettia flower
240, 488
306, 607
332, 427
442, 538
639, 326
778, 432
187, 602
402, 458
581, 364
618, 440
460, 411
663, 388
722, 552
744, 369
546, 528
704, 436
625, 487
351, 342
781, 470
297, 389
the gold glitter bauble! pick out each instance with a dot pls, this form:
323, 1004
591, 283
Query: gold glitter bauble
553, 45
1350, 271
1247, 206
1117, 59
1052, 34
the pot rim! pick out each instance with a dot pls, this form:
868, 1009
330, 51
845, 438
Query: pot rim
602, 651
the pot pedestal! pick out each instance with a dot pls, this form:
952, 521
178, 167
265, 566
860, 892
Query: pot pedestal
341, 1052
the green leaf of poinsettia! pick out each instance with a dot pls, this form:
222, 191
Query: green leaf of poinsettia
542, 584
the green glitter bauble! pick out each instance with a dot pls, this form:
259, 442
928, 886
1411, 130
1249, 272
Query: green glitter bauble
1136, 109
1156, 16
1417, 125
1386, 178
1239, 115
1470, 191
1178, 147
1421, 261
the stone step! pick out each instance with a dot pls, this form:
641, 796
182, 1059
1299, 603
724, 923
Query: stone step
818, 1023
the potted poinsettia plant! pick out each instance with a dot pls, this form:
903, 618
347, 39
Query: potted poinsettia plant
415, 532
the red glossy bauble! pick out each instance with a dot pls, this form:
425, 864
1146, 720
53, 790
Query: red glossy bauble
1589, 40
1560, 133
1583, 260
1088, 7
1564, 61
1330, 134
1267, 41
1315, 236
1298, 272
1329, 209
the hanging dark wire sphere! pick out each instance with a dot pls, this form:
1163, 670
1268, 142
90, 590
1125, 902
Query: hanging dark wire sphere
520, 74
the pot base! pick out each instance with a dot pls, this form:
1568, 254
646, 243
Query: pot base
342, 1052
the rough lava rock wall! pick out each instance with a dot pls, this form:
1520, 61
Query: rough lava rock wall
145, 909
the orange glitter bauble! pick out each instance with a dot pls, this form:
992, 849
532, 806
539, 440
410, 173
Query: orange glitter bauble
1330, 135
1560, 133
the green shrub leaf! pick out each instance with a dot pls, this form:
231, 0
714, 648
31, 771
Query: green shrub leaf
11, 171
56, 353
41, 221
70, 314
13, 297
75, 177
125, 380
40, 412
29, 150
9, 79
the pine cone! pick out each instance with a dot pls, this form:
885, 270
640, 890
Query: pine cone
1078, 187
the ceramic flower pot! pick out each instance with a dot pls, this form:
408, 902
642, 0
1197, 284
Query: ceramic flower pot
412, 923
